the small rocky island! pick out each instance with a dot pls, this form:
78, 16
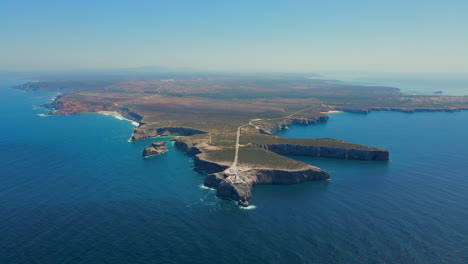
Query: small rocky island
156, 148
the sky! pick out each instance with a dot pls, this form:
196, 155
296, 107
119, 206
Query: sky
236, 35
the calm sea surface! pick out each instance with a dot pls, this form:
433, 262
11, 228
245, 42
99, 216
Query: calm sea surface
74, 190
415, 83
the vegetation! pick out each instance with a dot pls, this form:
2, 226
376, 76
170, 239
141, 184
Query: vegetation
255, 157
220, 104
318, 142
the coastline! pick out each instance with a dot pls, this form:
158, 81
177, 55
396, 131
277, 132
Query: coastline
332, 112
118, 116
161, 190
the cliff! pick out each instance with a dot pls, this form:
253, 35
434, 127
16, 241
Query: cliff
142, 133
270, 127
127, 113
328, 152
271, 176
62, 105
242, 191
215, 161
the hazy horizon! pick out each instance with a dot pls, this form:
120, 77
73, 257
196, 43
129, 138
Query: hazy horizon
241, 36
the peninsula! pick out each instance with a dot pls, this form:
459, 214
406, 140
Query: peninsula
227, 123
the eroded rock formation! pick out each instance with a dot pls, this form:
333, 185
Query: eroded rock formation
140, 133
156, 148
327, 152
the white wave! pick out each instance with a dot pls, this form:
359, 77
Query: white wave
120, 117
42, 115
250, 207
206, 188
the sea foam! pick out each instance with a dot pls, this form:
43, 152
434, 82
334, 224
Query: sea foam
206, 188
120, 117
250, 207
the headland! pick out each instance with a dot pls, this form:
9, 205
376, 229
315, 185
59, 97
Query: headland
210, 112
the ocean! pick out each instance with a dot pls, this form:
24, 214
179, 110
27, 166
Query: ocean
413, 83
74, 190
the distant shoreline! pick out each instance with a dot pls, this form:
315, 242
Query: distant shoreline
332, 112
118, 116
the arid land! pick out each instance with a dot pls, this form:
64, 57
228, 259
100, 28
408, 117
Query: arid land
207, 110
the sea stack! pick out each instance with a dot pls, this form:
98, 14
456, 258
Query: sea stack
156, 148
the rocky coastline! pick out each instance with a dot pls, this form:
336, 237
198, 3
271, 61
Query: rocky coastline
143, 133
242, 191
216, 173
273, 126
209, 122
327, 152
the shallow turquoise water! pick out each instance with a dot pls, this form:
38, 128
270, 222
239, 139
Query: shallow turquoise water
73, 190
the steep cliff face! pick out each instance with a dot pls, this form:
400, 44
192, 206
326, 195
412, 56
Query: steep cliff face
64, 106
142, 133
235, 191
216, 175
215, 164
272, 127
214, 179
267, 176
328, 152
189, 146
127, 113
206, 166
242, 192
193, 148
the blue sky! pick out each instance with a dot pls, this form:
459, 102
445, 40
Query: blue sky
381, 36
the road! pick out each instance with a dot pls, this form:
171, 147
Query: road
236, 155
251, 123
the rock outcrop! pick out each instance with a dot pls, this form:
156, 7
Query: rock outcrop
270, 176
156, 148
127, 113
327, 152
242, 191
188, 146
272, 127
142, 133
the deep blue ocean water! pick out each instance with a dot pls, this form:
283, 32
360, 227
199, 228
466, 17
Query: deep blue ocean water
74, 190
